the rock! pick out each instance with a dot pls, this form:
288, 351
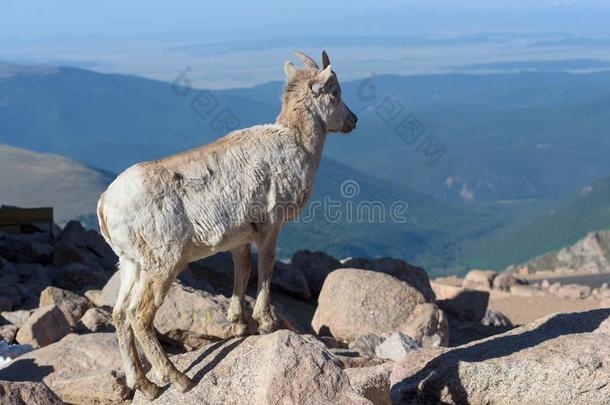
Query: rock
395, 347
428, 326
73, 306
77, 277
216, 269
355, 302
67, 366
281, 367
563, 357
468, 305
95, 320
8, 333
365, 344
18, 317
479, 279
45, 326
349, 359
192, 318
373, 383
24, 281
95, 297
315, 266
545, 284
110, 292
505, 281
574, 291
414, 276
74, 233
288, 279
27, 393
65, 252
553, 288
96, 243
495, 318
105, 387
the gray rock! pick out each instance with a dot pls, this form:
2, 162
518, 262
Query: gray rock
281, 367
395, 347
72, 305
71, 367
27, 393
412, 275
315, 266
356, 302
561, 357
365, 344
18, 317
373, 383
96, 320
45, 326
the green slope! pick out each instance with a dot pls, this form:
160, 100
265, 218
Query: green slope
570, 221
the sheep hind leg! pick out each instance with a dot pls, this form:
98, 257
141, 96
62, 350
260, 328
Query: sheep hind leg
266, 259
134, 374
143, 305
237, 314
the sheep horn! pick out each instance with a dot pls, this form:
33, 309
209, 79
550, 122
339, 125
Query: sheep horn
307, 61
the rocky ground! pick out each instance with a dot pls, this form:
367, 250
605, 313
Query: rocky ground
353, 331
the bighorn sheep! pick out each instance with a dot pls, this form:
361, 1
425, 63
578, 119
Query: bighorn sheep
160, 215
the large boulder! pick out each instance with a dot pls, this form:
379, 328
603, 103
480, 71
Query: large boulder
356, 302
46, 325
27, 393
281, 367
315, 266
192, 318
561, 358
72, 305
78, 368
412, 275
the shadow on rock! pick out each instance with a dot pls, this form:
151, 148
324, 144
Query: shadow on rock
440, 379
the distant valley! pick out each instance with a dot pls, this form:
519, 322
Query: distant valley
518, 146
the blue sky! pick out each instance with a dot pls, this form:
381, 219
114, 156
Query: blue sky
217, 21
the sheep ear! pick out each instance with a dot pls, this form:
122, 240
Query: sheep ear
325, 60
290, 70
321, 79
325, 74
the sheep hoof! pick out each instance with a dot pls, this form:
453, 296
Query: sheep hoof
267, 325
149, 389
240, 329
183, 383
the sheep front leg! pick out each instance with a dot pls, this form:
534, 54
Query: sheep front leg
266, 260
242, 261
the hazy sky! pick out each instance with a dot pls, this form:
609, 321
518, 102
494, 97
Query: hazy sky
230, 43
216, 21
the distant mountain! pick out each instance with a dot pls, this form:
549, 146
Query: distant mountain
564, 225
515, 145
590, 254
507, 136
31, 179
339, 218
